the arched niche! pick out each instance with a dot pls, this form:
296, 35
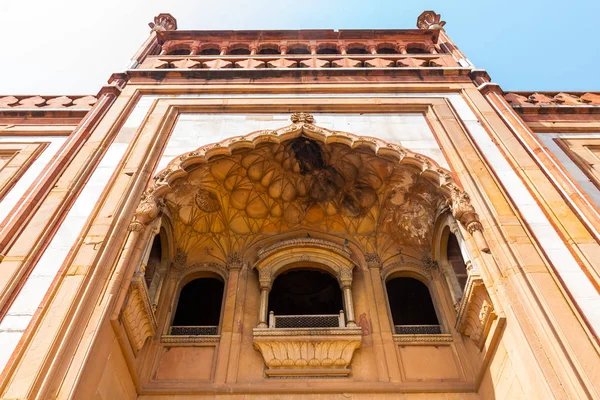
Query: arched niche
308, 252
198, 304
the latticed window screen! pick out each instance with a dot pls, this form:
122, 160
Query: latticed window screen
193, 330
417, 329
307, 321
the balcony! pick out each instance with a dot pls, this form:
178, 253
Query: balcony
193, 330
306, 321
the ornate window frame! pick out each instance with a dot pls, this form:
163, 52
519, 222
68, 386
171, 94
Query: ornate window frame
306, 352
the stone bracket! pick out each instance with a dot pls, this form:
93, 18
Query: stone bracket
476, 313
287, 354
137, 315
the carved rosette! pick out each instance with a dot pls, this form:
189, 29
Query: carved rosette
429, 264
297, 356
137, 315
476, 312
301, 117
163, 22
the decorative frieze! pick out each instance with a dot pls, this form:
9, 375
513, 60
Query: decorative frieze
552, 99
47, 102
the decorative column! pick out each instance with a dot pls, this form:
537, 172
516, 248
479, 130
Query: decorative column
265, 278
345, 278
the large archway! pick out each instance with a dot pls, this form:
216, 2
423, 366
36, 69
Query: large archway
226, 197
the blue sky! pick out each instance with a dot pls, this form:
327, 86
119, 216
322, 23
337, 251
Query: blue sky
72, 46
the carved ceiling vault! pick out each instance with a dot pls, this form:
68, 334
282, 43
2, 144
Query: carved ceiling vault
225, 198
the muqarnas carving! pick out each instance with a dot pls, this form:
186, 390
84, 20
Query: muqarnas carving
231, 202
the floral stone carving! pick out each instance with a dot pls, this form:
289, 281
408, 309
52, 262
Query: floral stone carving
319, 355
137, 316
476, 312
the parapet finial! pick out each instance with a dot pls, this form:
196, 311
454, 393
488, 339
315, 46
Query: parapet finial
164, 22
430, 20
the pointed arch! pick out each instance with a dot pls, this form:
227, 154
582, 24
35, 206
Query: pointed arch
303, 126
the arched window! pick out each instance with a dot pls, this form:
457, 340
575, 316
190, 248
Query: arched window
298, 49
386, 48
239, 50
305, 298
179, 52
411, 307
210, 51
199, 308
415, 48
154, 260
327, 48
455, 258
269, 49
356, 48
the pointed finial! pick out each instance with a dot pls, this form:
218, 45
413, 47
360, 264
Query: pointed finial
430, 20
163, 22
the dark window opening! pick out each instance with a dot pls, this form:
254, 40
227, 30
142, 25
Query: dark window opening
179, 52
327, 50
357, 50
212, 51
455, 258
298, 50
240, 51
269, 50
411, 306
154, 260
386, 50
199, 308
305, 292
415, 50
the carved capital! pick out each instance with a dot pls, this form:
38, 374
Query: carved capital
265, 278
430, 20
373, 260
163, 22
234, 261
345, 277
